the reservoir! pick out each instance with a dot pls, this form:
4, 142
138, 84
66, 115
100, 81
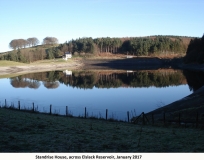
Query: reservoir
115, 91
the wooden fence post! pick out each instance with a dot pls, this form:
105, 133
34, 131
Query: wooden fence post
164, 116
106, 114
196, 119
66, 110
85, 113
152, 119
128, 116
19, 105
179, 121
33, 107
143, 118
50, 109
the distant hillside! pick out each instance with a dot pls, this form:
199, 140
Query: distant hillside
137, 46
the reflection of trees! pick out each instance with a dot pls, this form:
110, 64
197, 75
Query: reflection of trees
101, 79
19, 82
52, 76
195, 79
34, 84
85, 81
51, 85
32, 80
109, 83
157, 79
161, 78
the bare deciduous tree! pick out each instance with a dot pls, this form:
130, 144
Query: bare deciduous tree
50, 40
22, 43
32, 41
18, 43
13, 44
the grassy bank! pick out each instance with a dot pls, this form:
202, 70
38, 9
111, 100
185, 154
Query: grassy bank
10, 69
5, 63
34, 132
10, 64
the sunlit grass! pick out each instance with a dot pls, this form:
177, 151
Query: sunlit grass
4, 63
57, 61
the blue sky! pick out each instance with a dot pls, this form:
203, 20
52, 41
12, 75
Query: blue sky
71, 19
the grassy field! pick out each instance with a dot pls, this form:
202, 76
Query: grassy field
12, 65
34, 132
4, 63
47, 61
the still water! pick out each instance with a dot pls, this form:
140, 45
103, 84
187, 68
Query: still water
117, 91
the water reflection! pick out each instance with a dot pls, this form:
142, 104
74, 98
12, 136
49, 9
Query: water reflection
67, 72
194, 79
101, 79
51, 85
20, 82
118, 91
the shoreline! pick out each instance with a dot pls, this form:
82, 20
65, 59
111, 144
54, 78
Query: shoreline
194, 99
31, 68
139, 63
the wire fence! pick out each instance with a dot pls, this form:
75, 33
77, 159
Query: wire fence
194, 119
79, 111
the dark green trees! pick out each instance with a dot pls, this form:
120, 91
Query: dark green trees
154, 45
52, 53
195, 51
89, 45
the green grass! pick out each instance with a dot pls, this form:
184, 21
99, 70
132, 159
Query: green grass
34, 132
57, 60
4, 63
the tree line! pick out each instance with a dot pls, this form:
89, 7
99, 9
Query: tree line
25, 56
138, 46
160, 45
32, 54
23, 43
195, 51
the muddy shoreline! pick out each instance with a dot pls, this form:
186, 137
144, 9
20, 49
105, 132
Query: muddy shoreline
38, 68
86, 64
